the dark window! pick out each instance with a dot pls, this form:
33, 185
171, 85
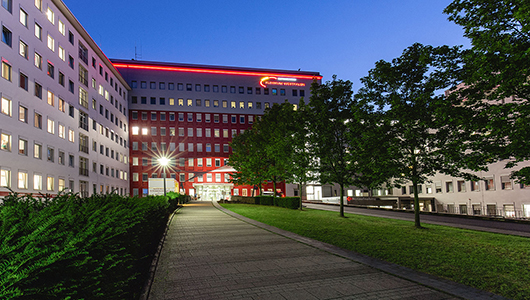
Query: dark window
162, 101
241, 90
295, 93
71, 37
6, 34
188, 87
153, 100
38, 90
83, 53
51, 70
134, 100
24, 81
302, 93
152, 85
144, 100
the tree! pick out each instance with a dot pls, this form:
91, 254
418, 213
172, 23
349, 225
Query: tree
329, 138
422, 128
302, 162
246, 158
497, 73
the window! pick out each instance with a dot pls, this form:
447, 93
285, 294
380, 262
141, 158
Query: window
6, 71
50, 154
83, 53
62, 28
8, 4
6, 107
37, 151
83, 120
38, 31
5, 178
50, 183
23, 114
6, 36
51, 43
71, 135
51, 126
51, 98
50, 15
83, 75
23, 49
38, 60
38, 120
61, 78
449, 187
461, 186
22, 180
5, 142
37, 182
51, 70
506, 183
489, 184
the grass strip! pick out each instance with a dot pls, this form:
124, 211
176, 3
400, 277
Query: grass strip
488, 261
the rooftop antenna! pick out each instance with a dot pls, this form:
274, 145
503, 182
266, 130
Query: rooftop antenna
136, 54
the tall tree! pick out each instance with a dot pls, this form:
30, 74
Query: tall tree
330, 111
246, 158
496, 80
301, 168
423, 132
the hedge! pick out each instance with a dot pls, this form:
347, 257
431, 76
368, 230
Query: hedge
287, 202
70, 247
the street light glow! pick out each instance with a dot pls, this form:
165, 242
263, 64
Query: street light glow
163, 161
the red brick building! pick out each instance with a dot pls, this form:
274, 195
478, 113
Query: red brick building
189, 114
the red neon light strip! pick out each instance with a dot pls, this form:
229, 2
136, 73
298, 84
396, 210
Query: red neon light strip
213, 71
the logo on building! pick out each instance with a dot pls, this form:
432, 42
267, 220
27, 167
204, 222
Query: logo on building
281, 81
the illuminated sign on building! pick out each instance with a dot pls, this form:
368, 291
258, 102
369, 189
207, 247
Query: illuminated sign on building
282, 81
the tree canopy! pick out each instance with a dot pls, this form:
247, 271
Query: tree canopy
422, 127
497, 69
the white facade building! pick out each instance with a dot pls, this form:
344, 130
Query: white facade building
63, 109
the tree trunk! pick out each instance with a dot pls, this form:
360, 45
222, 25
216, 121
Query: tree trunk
417, 223
342, 200
274, 186
300, 193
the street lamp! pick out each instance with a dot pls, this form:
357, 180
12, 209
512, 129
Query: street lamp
164, 161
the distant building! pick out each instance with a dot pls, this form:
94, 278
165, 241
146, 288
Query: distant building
189, 113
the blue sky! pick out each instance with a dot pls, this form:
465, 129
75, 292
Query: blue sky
342, 37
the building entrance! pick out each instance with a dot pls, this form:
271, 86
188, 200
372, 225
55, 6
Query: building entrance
213, 192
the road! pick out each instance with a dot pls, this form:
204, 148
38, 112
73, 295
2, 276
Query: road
504, 227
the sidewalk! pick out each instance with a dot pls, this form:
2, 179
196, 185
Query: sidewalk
210, 253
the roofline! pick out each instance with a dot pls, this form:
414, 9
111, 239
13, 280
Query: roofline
212, 69
75, 23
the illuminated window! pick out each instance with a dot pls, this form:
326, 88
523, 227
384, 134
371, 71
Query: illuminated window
216, 132
51, 126
62, 54
190, 102
215, 103
5, 142
38, 4
51, 98
145, 131
171, 101
6, 71
23, 114
23, 18
22, 180
6, 107
207, 103
62, 28
23, 51
249, 105
5, 178
62, 131
241, 104
181, 102
37, 151
50, 15
135, 130
282, 92
50, 183
51, 43
71, 135
274, 91
38, 31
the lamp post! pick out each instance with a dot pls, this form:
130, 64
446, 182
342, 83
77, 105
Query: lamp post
164, 161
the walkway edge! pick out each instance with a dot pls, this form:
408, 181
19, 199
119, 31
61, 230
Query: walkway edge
154, 263
431, 281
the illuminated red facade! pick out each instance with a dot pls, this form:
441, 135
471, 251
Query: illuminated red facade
189, 113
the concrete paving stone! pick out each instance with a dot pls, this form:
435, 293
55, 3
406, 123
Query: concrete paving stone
209, 254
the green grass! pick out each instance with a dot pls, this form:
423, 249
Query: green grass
493, 262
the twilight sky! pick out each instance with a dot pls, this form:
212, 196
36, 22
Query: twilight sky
342, 37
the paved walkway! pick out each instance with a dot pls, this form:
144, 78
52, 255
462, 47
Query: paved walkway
210, 254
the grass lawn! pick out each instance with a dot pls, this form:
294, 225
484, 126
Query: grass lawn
488, 261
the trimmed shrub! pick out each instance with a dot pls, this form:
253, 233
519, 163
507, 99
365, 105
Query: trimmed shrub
247, 200
266, 200
287, 202
70, 247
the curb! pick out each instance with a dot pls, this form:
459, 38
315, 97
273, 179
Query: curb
154, 263
443, 285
